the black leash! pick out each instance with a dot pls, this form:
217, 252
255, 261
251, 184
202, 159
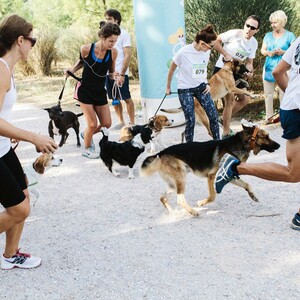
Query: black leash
63, 88
163, 99
61, 93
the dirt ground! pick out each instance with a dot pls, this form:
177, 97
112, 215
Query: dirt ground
102, 237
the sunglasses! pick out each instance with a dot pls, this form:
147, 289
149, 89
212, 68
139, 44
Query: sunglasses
251, 27
209, 46
32, 40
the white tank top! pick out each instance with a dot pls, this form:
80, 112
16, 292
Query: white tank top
6, 111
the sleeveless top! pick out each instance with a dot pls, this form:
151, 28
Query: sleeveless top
5, 113
95, 70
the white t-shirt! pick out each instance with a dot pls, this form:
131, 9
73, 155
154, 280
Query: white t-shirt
237, 46
5, 113
122, 42
291, 98
192, 67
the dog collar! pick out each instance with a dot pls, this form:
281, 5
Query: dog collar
253, 138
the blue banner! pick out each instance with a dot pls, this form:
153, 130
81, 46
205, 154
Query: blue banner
160, 33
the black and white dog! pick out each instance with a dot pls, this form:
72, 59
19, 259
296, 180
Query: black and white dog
124, 154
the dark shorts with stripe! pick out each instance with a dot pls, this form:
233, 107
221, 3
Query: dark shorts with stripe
290, 122
12, 180
124, 89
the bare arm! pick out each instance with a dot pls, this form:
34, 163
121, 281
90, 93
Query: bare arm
43, 143
127, 55
264, 51
218, 46
170, 76
280, 74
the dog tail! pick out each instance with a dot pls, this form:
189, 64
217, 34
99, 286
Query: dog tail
172, 110
150, 165
79, 115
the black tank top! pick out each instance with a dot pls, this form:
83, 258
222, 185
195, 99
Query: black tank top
95, 69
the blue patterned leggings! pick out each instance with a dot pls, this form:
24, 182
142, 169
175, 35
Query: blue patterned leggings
186, 98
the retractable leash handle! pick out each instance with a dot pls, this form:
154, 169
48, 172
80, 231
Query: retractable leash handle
74, 76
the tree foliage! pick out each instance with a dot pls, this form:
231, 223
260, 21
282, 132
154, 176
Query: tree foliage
231, 14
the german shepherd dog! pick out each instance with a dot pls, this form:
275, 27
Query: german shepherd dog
221, 83
203, 158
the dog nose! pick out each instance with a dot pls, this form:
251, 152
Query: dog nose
61, 160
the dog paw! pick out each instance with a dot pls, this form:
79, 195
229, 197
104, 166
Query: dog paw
117, 174
131, 177
201, 203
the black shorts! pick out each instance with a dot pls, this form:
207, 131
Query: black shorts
290, 122
12, 180
124, 89
87, 95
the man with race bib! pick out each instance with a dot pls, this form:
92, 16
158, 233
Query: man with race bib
238, 44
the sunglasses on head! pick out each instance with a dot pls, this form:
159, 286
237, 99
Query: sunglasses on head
32, 40
251, 27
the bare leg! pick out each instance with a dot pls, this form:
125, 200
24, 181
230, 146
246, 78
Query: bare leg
130, 110
119, 111
12, 222
227, 112
239, 104
274, 171
91, 121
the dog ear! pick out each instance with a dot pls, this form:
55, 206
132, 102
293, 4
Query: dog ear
47, 109
39, 166
157, 124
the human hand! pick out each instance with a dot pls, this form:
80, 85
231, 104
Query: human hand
228, 57
278, 51
249, 74
44, 144
207, 89
168, 91
270, 53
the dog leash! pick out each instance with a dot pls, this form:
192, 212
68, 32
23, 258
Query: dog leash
62, 91
115, 90
163, 99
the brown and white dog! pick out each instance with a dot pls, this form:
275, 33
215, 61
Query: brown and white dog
221, 83
156, 124
33, 171
203, 158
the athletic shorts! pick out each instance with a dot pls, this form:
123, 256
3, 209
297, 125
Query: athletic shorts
124, 89
290, 123
90, 96
12, 180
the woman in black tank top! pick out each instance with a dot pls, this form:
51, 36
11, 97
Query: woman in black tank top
96, 59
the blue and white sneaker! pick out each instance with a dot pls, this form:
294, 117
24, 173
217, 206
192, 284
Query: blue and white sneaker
90, 153
82, 137
296, 222
225, 174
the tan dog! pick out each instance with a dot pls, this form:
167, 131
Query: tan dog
157, 124
203, 158
221, 84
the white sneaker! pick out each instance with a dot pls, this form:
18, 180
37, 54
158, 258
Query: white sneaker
90, 153
82, 138
20, 260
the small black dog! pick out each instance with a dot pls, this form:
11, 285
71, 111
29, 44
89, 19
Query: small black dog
124, 154
61, 121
